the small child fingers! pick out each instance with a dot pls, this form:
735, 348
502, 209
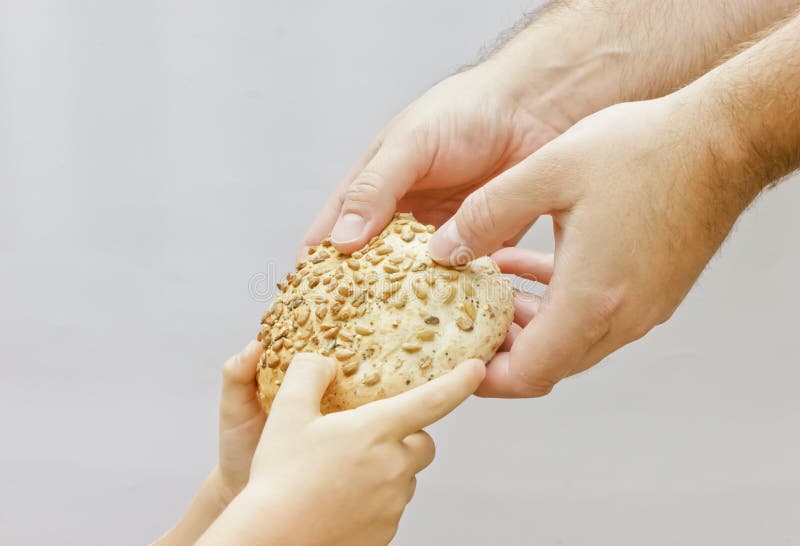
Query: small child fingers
241, 368
238, 386
304, 384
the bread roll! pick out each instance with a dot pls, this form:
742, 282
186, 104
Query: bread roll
390, 317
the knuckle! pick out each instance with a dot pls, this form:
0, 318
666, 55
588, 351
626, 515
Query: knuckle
364, 426
435, 402
534, 387
397, 470
552, 166
600, 315
546, 164
663, 316
639, 330
649, 320
423, 140
364, 191
536, 377
477, 218
644, 324
362, 458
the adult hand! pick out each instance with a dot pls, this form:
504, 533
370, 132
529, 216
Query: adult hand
569, 60
638, 206
342, 478
457, 136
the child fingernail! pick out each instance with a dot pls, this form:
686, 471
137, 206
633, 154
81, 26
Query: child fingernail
251, 346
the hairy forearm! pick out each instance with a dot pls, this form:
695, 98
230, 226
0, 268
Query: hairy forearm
575, 57
754, 99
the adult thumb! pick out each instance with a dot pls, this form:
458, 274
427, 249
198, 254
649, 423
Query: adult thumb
369, 201
493, 214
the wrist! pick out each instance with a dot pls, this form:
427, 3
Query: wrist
708, 161
731, 156
210, 501
560, 70
218, 491
243, 521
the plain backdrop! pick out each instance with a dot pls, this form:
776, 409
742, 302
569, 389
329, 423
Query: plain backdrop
158, 156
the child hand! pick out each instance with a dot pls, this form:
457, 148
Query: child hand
241, 421
342, 478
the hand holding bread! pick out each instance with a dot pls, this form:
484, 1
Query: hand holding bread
317, 468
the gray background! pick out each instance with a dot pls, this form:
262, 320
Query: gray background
155, 156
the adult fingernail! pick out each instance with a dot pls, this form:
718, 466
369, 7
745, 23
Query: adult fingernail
447, 246
347, 229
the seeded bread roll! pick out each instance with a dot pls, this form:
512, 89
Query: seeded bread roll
391, 317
